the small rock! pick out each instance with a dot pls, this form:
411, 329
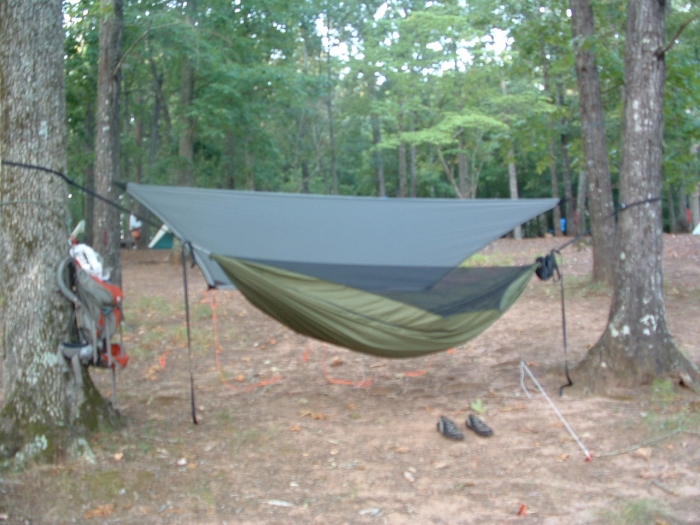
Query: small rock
371, 512
409, 477
403, 450
644, 453
182, 462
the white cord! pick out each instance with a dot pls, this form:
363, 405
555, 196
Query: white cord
524, 368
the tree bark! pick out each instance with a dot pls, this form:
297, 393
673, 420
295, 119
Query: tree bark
185, 147
89, 176
565, 165
695, 206
637, 345
595, 149
671, 211
378, 160
106, 216
554, 179
403, 175
580, 213
42, 410
513, 187
512, 171
413, 167
463, 168
331, 124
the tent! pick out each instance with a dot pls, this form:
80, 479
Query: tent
696, 231
163, 240
380, 276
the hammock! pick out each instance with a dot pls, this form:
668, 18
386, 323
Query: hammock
379, 276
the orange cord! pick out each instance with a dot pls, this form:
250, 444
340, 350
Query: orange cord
214, 306
424, 371
358, 384
163, 359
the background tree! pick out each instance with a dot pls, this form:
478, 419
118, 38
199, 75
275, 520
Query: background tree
594, 142
637, 345
43, 411
107, 231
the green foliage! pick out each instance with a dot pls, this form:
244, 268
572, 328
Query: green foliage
273, 78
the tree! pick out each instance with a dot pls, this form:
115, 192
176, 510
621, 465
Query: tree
43, 410
637, 345
107, 234
595, 149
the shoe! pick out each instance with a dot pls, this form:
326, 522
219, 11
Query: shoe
479, 427
447, 428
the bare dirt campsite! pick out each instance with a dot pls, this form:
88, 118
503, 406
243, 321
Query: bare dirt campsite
292, 432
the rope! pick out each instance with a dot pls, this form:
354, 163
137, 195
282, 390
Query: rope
623, 206
76, 185
218, 350
547, 268
524, 368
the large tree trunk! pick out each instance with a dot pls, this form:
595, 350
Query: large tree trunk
106, 218
331, 128
565, 164
580, 213
89, 175
413, 168
695, 206
637, 345
463, 168
595, 150
512, 171
553, 138
185, 148
42, 411
403, 175
513, 187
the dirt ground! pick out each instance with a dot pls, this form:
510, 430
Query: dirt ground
279, 443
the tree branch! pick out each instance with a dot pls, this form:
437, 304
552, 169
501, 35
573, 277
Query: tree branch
661, 52
133, 45
448, 172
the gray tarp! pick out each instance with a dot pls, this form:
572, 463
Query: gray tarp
336, 235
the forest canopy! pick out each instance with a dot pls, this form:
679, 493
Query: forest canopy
396, 98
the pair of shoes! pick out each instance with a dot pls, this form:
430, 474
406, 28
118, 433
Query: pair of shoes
447, 428
479, 427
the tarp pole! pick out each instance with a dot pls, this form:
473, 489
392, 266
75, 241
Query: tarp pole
183, 256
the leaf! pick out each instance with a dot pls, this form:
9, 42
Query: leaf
100, 512
478, 406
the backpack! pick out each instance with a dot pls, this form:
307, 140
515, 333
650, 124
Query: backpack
97, 313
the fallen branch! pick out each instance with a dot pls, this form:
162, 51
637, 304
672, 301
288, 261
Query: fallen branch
636, 446
663, 487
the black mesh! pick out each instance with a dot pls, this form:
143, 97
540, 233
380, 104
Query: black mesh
442, 291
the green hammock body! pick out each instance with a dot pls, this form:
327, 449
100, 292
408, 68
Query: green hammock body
383, 325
